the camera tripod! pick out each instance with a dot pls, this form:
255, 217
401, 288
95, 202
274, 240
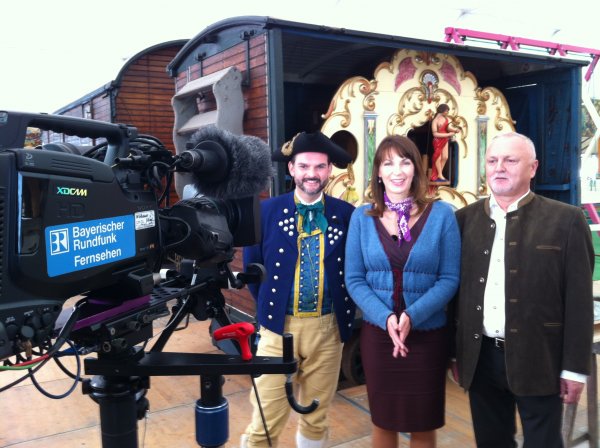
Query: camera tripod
122, 374
119, 389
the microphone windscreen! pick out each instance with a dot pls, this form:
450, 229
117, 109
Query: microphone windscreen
250, 164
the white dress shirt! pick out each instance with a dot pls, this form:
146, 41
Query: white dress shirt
493, 299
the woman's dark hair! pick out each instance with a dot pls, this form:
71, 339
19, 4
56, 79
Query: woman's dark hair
442, 108
404, 147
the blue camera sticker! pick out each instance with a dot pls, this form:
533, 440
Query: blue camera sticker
84, 245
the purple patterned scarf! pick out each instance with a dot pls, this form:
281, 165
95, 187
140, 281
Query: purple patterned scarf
402, 209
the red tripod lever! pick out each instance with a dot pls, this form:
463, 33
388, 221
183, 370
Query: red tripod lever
241, 332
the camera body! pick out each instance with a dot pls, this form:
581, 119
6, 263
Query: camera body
73, 224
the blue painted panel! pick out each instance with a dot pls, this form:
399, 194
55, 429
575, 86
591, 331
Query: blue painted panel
546, 108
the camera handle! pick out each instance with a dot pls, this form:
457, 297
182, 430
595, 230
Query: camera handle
116, 135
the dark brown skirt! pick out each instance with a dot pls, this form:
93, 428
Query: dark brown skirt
406, 394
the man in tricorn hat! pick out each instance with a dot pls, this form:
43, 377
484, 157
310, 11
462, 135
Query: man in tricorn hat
302, 249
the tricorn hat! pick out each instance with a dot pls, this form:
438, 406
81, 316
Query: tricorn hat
316, 142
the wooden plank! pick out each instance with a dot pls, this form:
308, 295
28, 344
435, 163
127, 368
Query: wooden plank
74, 421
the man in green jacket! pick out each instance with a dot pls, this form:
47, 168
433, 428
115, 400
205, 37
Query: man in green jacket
524, 311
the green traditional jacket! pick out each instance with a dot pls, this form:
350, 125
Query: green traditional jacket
549, 260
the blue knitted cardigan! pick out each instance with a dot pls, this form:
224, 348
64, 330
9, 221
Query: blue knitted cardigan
430, 277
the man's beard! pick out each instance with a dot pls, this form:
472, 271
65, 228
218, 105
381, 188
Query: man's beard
313, 189
502, 186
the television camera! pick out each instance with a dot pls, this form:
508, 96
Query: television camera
89, 223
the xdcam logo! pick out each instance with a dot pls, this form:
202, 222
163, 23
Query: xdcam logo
68, 191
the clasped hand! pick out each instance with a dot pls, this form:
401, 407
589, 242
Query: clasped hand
398, 329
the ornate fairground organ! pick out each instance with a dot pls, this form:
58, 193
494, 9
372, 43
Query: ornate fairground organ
402, 98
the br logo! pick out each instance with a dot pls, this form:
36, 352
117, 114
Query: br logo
59, 241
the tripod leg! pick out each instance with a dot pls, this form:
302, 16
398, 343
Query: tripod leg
119, 410
212, 413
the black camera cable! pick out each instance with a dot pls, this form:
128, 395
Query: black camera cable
60, 340
93, 152
149, 140
158, 171
260, 409
76, 377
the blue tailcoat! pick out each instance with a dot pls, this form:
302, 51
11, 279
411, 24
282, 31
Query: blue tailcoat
278, 253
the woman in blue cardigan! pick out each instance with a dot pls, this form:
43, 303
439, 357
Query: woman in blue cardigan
402, 269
